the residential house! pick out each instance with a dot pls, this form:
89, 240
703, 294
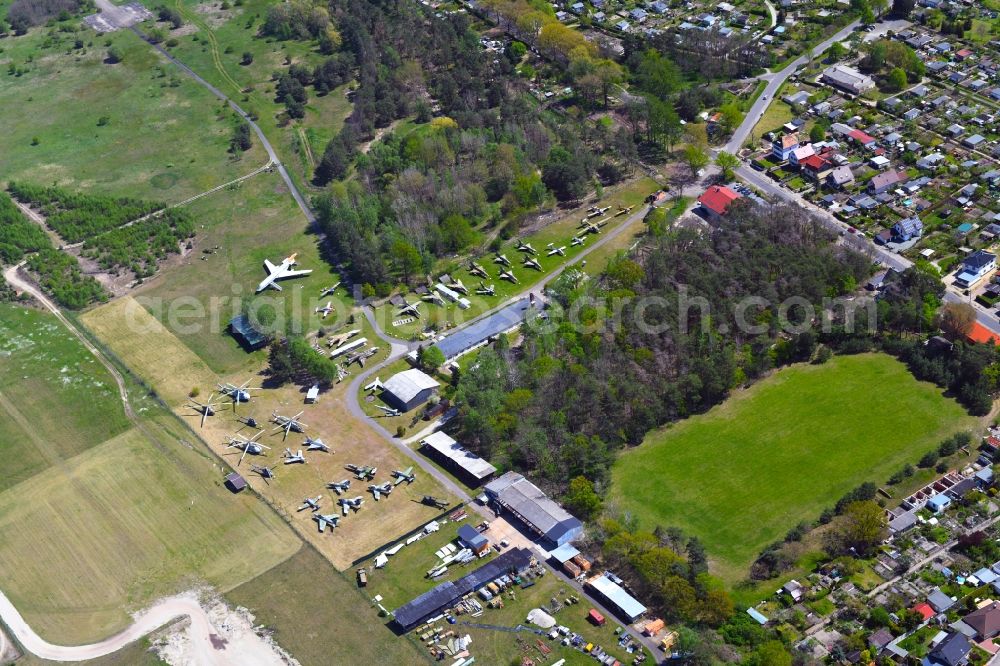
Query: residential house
801, 153
782, 147
794, 589
931, 161
953, 650
973, 141
975, 267
938, 600
885, 181
715, 201
985, 620
840, 177
907, 230
863, 138
816, 167
879, 639
848, 78
880, 162
801, 97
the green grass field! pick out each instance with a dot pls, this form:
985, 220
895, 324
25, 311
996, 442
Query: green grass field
164, 138
213, 45
45, 371
741, 475
331, 619
105, 517
257, 220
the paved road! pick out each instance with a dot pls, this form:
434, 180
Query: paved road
774, 82
776, 191
275, 160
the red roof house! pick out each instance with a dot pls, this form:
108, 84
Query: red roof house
924, 609
982, 335
861, 137
815, 166
717, 199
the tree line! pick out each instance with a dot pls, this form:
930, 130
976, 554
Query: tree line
75, 216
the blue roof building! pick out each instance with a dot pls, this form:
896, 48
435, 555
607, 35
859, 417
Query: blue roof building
939, 503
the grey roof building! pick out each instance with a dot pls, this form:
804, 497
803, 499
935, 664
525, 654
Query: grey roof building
848, 78
534, 508
457, 458
408, 389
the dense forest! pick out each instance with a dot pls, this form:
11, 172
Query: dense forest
480, 152
77, 217
562, 405
18, 234
141, 246
59, 274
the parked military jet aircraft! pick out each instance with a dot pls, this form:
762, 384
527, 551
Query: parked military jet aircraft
316, 445
363, 472
323, 520
525, 247
553, 250
329, 290
477, 270
311, 503
375, 385
531, 262
339, 487
507, 275
502, 260
351, 503
326, 309
294, 458
265, 473
380, 489
577, 240
403, 475
433, 297
486, 290
456, 285
430, 500
410, 308
389, 411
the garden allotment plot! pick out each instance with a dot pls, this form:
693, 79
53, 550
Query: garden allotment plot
743, 474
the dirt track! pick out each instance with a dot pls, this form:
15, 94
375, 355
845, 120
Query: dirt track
202, 643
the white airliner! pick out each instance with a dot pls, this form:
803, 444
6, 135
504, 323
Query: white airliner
279, 273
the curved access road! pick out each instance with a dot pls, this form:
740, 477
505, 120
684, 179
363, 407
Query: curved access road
159, 615
13, 278
271, 153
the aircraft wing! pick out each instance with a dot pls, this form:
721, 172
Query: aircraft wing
287, 273
270, 267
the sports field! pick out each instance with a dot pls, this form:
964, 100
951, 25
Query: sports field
138, 127
741, 475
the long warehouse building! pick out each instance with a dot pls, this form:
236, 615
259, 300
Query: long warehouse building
447, 594
534, 509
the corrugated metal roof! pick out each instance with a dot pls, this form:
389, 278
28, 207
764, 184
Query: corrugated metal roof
408, 384
484, 329
452, 450
528, 501
433, 601
613, 592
